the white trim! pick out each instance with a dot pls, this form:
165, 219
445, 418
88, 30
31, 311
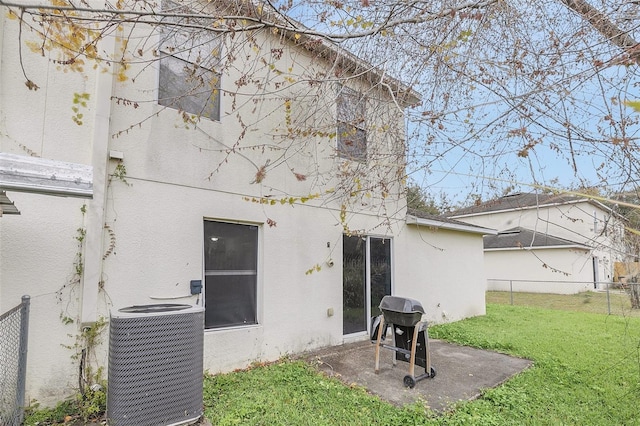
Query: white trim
534, 207
577, 246
440, 224
257, 273
23, 173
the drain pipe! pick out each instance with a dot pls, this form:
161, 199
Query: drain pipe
92, 277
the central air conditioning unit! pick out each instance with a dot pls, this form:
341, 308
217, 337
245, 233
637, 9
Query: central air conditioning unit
155, 365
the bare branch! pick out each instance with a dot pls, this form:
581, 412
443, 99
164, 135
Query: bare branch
604, 26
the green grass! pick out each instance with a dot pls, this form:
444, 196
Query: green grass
586, 372
616, 303
294, 393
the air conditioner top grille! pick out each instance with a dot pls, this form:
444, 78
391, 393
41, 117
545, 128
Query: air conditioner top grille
153, 309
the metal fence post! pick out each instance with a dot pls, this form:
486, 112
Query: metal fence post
511, 291
22, 361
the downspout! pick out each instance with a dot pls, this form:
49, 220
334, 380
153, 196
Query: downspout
95, 213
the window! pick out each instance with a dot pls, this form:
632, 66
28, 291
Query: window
352, 134
189, 57
231, 265
189, 87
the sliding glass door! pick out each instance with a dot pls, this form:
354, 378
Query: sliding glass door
366, 280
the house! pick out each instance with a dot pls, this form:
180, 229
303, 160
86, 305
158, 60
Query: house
548, 242
266, 165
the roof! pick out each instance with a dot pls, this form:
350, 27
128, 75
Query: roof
259, 11
522, 238
525, 200
356, 66
416, 217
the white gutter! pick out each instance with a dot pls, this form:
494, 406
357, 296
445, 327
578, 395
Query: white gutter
22, 173
556, 204
577, 246
441, 224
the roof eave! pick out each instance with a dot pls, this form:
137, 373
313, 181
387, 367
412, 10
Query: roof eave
554, 204
405, 95
418, 221
301, 36
579, 247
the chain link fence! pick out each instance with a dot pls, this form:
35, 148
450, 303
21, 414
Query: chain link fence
587, 296
14, 329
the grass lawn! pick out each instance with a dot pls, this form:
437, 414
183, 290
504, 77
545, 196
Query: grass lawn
616, 303
586, 372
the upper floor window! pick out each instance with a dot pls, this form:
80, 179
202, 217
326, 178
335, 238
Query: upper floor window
351, 124
188, 87
188, 80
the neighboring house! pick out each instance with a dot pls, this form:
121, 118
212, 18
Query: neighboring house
520, 259
286, 199
548, 242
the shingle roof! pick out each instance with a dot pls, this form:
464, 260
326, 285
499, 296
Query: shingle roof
523, 238
439, 221
523, 200
439, 218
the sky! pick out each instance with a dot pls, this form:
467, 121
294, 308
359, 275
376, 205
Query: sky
487, 163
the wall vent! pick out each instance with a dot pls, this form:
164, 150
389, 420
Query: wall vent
155, 365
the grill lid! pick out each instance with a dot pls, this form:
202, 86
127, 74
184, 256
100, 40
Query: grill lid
401, 304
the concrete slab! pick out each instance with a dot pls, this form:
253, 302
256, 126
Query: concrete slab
461, 372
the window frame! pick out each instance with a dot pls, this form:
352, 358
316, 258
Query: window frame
370, 285
236, 270
200, 54
351, 123
174, 99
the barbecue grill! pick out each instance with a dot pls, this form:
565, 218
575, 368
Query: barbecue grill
410, 336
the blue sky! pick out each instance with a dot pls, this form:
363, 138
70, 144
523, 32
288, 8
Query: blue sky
487, 162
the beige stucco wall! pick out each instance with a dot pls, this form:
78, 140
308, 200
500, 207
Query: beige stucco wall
442, 269
564, 271
39, 247
38, 254
144, 234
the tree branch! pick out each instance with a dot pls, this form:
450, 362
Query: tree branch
259, 20
604, 26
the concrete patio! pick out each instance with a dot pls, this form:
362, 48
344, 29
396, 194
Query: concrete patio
461, 372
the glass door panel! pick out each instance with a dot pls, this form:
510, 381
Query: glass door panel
366, 280
353, 285
379, 272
